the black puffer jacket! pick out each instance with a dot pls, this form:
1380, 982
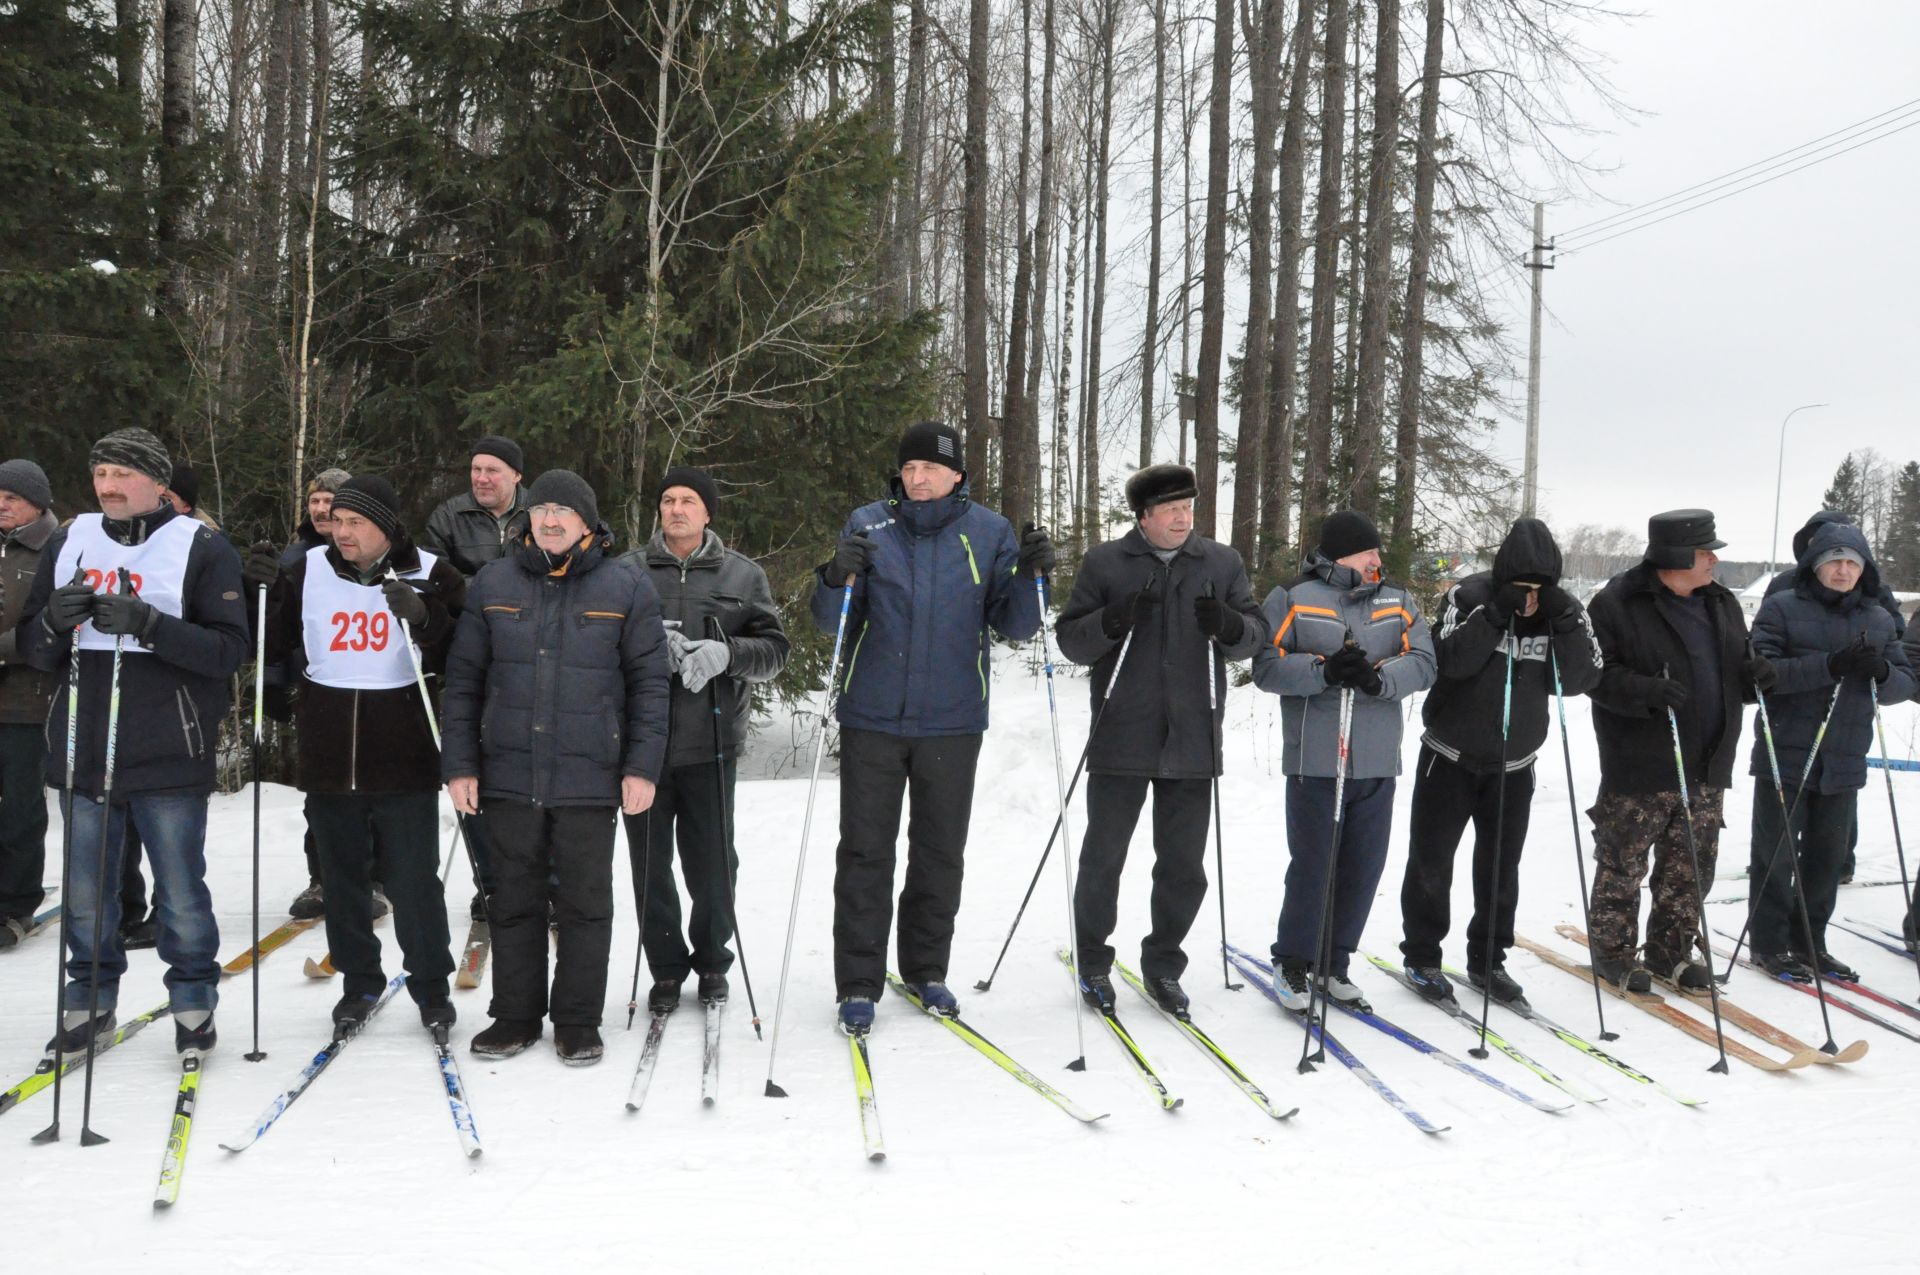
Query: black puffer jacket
557, 681
362, 740
1463, 710
1798, 629
715, 586
470, 537
25, 691
1156, 724
172, 697
1637, 643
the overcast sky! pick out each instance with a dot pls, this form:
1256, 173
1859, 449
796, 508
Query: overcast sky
1672, 354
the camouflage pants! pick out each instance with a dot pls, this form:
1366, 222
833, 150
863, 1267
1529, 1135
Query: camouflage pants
1627, 829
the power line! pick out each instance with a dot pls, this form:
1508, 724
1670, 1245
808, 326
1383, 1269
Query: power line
1790, 155
1737, 190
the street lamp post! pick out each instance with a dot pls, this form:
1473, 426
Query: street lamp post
1773, 545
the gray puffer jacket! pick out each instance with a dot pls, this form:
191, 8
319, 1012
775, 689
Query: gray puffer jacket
1310, 618
715, 588
1798, 629
468, 536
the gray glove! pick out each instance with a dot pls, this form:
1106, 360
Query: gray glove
702, 662
677, 644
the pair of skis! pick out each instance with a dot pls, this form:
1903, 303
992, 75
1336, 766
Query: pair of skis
709, 1056
1839, 1002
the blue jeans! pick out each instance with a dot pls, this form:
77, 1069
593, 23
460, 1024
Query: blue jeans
174, 831
1363, 854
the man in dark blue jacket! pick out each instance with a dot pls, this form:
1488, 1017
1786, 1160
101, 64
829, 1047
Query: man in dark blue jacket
930, 573
1827, 631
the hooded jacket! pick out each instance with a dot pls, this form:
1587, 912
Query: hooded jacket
1157, 723
715, 588
1463, 711
1311, 618
173, 692
1804, 537
918, 629
557, 680
352, 740
25, 691
1798, 628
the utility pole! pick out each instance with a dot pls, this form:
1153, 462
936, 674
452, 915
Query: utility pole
1530, 482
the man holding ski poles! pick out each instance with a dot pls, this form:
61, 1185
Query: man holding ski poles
151, 592
1835, 649
1505, 640
1347, 647
1181, 605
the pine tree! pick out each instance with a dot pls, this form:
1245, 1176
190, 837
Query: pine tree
1845, 494
1900, 557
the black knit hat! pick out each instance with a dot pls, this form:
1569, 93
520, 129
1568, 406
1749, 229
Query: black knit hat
698, 481
1346, 533
503, 448
373, 498
1158, 485
28, 481
185, 484
934, 441
563, 487
136, 449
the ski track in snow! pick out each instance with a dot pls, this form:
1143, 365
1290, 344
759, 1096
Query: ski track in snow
1777, 1172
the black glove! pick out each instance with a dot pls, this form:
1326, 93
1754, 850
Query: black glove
854, 557
1507, 601
1122, 614
405, 602
1349, 666
1858, 658
1559, 606
1760, 672
1662, 693
1036, 553
70, 607
125, 615
1217, 620
261, 567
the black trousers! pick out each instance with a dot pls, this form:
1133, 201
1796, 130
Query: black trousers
877, 770
556, 862
1822, 827
407, 827
23, 818
686, 813
1180, 814
1446, 797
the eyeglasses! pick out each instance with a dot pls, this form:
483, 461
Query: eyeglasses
550, 511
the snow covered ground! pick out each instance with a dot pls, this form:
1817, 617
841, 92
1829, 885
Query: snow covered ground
1795, 1171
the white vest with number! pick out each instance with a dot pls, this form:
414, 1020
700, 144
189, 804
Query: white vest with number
156, 568
353, 641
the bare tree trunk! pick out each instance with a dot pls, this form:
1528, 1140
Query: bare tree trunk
1329, 205
1283, 396
299, 155
913, 130
360, 201
1406, 450
894, 284
180, 38
1156, 202
1213, 272
1097, 313
1063, 394
1078, 468
973, 254
322, 70
1188, 116
1264, 51
1370, 394
1042, 257
1017, 464
130, 40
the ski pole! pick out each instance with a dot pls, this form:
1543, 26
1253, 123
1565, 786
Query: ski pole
640, 937
727, 858
88, 1138
1079, 1062
1323, 945
259, 697
1699, 892
52, 1132
1219, 848
806, 829
1806, 773
1579, 853
1492, 936
1899, 847
1799, 884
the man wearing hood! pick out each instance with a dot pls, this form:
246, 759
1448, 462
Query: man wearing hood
556, 719
1826, 631
1505, 640
1671, 638
26, 525
933, 575
368, 765
725, 635
1338, 628
1181, 605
